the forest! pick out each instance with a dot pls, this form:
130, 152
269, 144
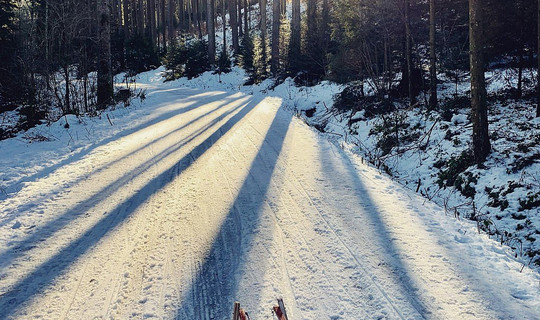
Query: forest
162, 159
62, 55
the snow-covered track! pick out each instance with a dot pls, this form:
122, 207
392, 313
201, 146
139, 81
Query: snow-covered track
216, 197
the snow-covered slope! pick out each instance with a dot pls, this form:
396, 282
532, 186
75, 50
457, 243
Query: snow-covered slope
196, 198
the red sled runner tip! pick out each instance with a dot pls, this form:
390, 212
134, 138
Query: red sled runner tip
280, 311
239, 313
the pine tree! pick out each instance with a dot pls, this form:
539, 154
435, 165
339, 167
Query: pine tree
246, 54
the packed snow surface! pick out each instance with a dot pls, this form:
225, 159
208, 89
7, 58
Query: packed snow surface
176, 207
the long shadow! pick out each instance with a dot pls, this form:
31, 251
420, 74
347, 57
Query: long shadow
370, 211
392, 255
215, 285
492, 296
78, 155
18, 248
34, 202
43, 276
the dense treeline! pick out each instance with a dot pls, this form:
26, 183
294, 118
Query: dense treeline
62, 54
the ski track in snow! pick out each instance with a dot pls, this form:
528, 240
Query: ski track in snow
214, 197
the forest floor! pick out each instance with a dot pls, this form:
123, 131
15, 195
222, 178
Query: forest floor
176, 206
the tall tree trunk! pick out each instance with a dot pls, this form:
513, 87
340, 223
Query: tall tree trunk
295, 42
47, 47
199, 18
408, 52
538, 71
239, 18
295, 46
325, 33
140, 17
224, 22
432, 58
481, 144
67, 94
181, 15
262, 4
211, 32
170, 22
151, 20
246, 12
125, 4
104, 74
311, 24
189, 14
233, 20
276, 25
163, 23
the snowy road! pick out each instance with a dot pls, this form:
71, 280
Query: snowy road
216, 197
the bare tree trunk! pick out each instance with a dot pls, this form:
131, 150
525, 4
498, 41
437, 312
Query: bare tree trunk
151, 20
234, 23
325, 34
432, 58
211, 32
163, 23
408, 53
276, 25
125, 4
181, 15
224, 22
481, 144
239, 18
104, 74
295, 42
189, 14
140, 17
170, 22
47, 46
262, 5
538, 71
67, 96
246, 12
311, 32
199, 18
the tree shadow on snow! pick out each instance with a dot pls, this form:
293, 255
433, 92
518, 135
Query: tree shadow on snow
392, 259
194, 102
26, 207
216, 284
35, 282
